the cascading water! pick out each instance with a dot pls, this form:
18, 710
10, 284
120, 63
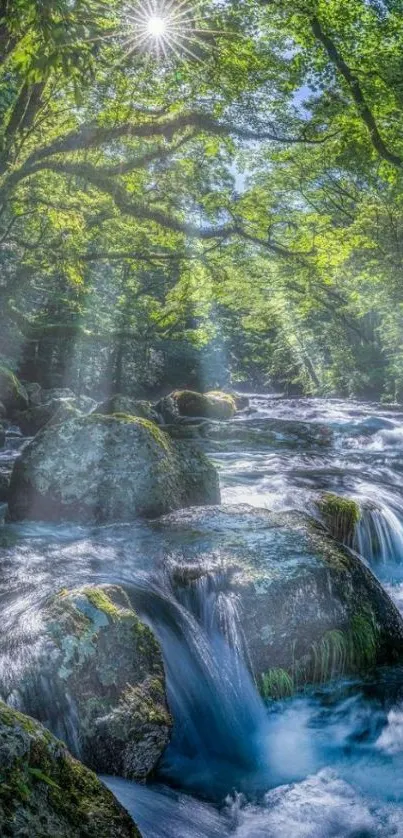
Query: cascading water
325, 764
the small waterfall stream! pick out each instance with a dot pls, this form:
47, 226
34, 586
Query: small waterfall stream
325, 764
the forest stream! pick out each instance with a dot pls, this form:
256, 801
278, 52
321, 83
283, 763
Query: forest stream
325, 762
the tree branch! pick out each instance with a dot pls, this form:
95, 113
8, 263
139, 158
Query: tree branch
363, 108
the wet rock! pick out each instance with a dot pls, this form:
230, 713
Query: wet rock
104, 667
309, 610
46, 793
108, 468
127, 406
13, 395
180, 403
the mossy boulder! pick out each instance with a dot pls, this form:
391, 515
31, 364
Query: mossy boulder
13, 395
108, 468
309, 610
340, 516
46, 793
189, 404
125, 405
104, 669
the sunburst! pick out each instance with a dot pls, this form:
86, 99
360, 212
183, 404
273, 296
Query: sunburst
164, 28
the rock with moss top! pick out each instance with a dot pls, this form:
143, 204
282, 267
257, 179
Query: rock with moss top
308, 609
340, 516
45, 792
108, 468
131, 407
13, 395
103, 668
189, 404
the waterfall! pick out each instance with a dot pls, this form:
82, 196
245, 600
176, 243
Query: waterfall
218, 740
379, 533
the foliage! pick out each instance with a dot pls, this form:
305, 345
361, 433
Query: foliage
246, 206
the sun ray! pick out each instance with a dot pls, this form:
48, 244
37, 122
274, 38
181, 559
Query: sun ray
166, 28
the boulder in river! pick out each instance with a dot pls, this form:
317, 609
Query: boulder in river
309, 610
189, 404
46, 793
108, 468
103, 668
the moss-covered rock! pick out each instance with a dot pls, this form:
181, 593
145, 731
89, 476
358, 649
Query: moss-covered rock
108, 468
13, 395
46, 793
107, 666
340, 516
309, 610
187, 403
125, 405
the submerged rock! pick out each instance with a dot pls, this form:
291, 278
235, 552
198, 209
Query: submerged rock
46, 793
187, 403
103, 667
309, 610
108, 468
276, 433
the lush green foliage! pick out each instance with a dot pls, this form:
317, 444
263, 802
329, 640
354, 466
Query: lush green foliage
248, 202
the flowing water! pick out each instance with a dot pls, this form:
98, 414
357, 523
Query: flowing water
326, 764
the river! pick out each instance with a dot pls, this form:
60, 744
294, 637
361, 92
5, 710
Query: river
325, 764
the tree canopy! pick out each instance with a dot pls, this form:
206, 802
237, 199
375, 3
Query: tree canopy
237, 200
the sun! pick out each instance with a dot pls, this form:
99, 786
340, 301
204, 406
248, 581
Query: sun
156, 26
164, 28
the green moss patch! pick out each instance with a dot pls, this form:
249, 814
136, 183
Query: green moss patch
340, 516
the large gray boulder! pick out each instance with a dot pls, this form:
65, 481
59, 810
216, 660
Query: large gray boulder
108, 468
309, 610
46, 793
103, 668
